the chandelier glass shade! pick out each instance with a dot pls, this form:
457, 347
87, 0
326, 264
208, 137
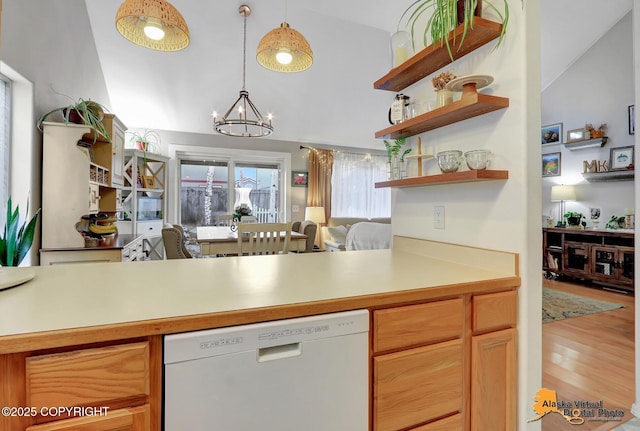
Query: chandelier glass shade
243, 118
153, 24
284, 49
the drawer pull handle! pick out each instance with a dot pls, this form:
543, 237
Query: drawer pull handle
279, 352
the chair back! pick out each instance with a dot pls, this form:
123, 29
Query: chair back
263, 238
248, 219
173, 240
225, 219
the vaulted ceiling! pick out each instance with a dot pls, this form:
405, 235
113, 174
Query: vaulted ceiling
333, 102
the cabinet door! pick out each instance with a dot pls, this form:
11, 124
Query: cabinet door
626, 264
493, 381
576, 258
604, 262
131, 419
117, 160
412, 387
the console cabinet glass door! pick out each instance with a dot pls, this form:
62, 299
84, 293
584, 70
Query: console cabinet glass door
576, 257
626, 260
604, 262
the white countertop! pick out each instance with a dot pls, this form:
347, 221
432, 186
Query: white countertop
84, 295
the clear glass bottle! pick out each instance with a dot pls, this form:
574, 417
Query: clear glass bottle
401, 48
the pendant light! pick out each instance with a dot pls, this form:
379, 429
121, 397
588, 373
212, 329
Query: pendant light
284, 49
249, 122
153, 24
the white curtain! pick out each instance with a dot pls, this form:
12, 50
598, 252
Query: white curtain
352, 186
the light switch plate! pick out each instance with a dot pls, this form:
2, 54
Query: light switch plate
438, 217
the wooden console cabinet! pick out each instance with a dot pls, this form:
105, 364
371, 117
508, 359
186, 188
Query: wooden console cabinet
605, 257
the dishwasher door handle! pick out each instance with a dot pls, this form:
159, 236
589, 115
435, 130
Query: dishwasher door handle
283, 351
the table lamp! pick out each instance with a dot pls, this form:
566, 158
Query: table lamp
316, 215
562, 193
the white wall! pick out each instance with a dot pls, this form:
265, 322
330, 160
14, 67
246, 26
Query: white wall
502, 215
595, 89
636, 82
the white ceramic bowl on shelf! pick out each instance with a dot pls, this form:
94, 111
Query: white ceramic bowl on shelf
477, 159
449, 161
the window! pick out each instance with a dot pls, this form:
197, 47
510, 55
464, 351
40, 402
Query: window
5, 136
353, 192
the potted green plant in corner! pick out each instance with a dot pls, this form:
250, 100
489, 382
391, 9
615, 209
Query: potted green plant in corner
16, 240
81, 112
575, 219
149, 140
445, 16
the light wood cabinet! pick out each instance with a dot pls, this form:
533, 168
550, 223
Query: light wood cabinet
103, 388
445, 365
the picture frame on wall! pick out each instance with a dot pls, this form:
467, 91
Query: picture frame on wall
551, 134
551, 164
620, 158
632, 119
299, 178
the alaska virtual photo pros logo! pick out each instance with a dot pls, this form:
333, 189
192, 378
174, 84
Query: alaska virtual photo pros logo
576, 412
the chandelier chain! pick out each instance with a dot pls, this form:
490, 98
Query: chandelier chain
244, 53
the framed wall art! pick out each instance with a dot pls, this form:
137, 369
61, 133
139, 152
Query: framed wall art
551, 134
621, 158
299, 178
551, 164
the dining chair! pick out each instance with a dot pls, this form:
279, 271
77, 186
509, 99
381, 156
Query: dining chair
173, 239
225, 219
248, 219
263, 238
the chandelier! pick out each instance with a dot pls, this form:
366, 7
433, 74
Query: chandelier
154, 24
284, 49
248, 122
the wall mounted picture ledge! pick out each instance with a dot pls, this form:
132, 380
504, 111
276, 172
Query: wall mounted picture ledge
632, 119
551, 165
551, 134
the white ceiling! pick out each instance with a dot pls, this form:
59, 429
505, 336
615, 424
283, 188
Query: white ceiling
331, 103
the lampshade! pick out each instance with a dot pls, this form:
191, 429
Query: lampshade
563, 193
284, 49
249, 123
154, 24
315, 214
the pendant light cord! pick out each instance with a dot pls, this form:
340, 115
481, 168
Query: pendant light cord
244, 53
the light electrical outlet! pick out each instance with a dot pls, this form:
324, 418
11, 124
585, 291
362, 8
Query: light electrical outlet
295, 208
438, 217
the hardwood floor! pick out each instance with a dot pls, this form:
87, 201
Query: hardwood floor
590, 358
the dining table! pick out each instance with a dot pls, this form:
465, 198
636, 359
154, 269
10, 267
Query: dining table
221, 240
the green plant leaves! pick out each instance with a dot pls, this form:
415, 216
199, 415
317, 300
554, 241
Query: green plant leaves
16, 240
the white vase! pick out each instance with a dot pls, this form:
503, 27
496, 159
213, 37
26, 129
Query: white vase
444, 97
242, 197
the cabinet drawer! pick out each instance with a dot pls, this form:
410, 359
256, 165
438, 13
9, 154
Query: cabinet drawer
452, 423
149, 228
495, 311
132, 419
88, 376
417, 385
417, 324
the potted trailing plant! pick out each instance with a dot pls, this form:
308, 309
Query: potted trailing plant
615, 222
575, 219
81, 112
149, 140
16, 240
445, 16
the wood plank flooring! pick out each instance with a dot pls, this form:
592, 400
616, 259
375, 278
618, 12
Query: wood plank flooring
590, 358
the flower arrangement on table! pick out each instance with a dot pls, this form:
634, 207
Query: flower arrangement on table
440, 82
241, 210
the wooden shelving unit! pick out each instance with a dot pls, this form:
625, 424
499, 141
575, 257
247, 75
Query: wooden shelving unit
451, 178
472, 104
435, 56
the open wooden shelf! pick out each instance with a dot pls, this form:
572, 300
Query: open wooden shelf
621, 175
436, 56
454, 177
471, 105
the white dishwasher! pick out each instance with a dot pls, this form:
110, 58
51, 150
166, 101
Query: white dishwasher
308, 374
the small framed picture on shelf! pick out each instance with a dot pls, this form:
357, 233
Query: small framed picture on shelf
551, 134
551, 164
577, 135
632, 119
621, 158
148, 182
299, 179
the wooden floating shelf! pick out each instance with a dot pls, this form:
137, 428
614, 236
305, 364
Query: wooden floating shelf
436, 56
470, 105
454, 177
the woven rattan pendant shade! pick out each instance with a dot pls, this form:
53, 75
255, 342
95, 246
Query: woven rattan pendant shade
134, 15
284, 38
